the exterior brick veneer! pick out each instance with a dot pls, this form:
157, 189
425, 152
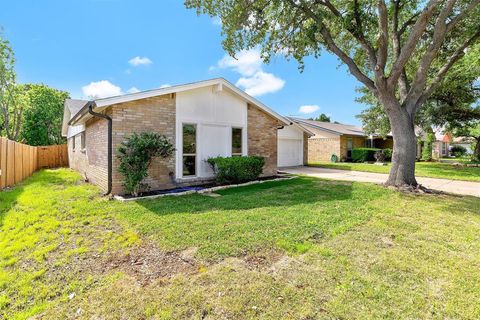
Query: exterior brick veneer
321, 149
262, 138
155, 114
91, 162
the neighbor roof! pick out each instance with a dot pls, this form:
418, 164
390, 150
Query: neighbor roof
70, 109
101, 104
337, 128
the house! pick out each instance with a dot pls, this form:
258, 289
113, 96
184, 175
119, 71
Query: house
466, 142
329, 139
221, 119
441, 145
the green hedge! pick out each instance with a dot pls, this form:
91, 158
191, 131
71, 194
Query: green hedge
388, 154
236, 169
363, 154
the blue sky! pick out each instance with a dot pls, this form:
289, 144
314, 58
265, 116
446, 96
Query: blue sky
102, 47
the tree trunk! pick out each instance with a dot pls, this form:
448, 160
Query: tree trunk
476, 152
404, 155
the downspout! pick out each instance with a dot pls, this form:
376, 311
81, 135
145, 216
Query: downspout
109, 146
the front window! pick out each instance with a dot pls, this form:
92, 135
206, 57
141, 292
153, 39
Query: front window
189, 134
236, 141
84, 140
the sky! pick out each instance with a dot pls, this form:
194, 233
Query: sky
98, 48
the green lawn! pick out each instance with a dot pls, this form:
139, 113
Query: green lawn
422, 169
299, 249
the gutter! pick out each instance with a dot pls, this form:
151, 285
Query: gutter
90, 105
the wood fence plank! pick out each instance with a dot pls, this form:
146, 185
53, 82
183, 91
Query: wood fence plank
10, 163
3, 163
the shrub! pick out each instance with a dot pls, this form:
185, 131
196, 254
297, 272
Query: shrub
334, 158
428, 147
458, 151
236, 169
388, 154
380, 156
136, 154
363, 154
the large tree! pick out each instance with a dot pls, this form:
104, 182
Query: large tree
377, 40
42, 121
11, 98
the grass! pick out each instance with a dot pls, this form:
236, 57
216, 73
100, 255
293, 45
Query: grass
299, 249
422, 169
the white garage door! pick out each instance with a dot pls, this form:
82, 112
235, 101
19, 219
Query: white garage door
290, 152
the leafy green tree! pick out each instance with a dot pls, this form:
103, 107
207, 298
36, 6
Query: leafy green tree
42, 120
399, 50
471, 131
11, 99
322, 118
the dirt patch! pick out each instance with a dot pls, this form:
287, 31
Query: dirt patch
262, 260
147, 263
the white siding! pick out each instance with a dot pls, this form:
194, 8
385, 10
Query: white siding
214, 113
74, 130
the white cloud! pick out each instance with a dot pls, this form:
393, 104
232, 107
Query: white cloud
260, 83
133, 90
249, 64
138, 61
165, 85
101, 89
308, 109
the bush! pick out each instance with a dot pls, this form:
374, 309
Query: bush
428, 147
458, 151
334, 158
230, 170
136, 154
380, 156
363, 154
388, 154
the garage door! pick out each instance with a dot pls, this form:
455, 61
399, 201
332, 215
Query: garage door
290, 152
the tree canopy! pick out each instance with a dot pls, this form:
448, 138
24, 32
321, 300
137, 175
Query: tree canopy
42, 120
322, 117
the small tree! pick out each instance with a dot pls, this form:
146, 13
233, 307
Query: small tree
136, 154
428, 147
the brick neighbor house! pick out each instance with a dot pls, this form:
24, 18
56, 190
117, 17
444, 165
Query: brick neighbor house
329, 139
222, 119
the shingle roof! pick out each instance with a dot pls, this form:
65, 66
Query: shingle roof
331, 127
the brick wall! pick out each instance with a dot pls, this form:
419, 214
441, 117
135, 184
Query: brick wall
305, 148
321, 149
92, 161
155, 114
357, 142
262, 138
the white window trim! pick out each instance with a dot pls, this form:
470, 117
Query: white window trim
197, 166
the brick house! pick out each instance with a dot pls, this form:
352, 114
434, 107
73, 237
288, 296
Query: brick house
329, 139
221, 119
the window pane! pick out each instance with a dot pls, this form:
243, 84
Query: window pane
236, 140
188, 165
189, 139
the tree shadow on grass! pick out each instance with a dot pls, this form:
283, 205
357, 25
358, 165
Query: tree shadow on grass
302, 190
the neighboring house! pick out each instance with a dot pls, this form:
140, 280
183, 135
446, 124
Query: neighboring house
337, 139
441, 145
213, 113
466, 142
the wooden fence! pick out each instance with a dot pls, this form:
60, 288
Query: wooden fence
18, 161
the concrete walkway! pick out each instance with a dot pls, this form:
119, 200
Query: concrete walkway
445, 185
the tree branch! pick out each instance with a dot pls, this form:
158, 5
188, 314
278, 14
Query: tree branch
357, 33
332, 46
457, 55
462, 14
409, 46
382, 38
440, 31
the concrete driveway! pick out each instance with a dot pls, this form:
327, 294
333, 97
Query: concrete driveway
445, 185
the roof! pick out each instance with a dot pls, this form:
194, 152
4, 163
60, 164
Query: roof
336, 128
71, 108
101, 104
